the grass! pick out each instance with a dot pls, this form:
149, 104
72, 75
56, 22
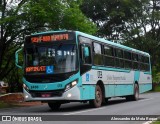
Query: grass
6, 105
3, 105
156, 122
157, 88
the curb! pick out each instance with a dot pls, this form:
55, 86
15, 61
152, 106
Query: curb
18, 99
12, 97
10, 94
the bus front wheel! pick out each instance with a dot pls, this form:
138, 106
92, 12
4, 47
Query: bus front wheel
54, 105
97, 102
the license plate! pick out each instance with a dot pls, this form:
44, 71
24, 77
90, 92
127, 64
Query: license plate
46, 95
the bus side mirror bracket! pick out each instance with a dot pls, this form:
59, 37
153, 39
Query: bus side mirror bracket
17, 58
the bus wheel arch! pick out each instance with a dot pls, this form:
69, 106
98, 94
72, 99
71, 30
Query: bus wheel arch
99, 95
136, 82
135, 95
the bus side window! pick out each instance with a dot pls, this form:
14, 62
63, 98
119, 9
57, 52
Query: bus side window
108, 56
98, 57
128, 61
119, 58
135, 61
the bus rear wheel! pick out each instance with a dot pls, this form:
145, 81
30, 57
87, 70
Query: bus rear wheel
135, 96
97, 102
54, 105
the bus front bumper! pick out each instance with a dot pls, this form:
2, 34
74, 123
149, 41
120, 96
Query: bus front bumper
71, 94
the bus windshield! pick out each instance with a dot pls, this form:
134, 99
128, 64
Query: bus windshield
60, 58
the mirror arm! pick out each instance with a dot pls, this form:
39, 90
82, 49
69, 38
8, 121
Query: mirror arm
16, 58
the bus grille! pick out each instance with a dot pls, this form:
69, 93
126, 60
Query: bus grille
53, 93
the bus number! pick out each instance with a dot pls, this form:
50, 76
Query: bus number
59, 85
34, 87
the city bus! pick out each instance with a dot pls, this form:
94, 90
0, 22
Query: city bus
70, 66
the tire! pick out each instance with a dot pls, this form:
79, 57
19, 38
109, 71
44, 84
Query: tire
97, 102
135, 96
136, 92
54, 105
106, 100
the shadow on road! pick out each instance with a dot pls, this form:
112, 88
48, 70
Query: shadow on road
72, 107
65, 108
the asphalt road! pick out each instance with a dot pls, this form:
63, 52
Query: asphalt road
149, 104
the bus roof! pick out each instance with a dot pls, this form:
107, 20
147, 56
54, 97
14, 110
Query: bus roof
95, 38
47, 32
111, 43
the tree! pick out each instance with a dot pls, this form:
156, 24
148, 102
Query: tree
74, 18
143, 29
109, 15
135, 22
23, 17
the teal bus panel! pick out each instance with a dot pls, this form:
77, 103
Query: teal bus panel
145, 87
88, 92
118, 90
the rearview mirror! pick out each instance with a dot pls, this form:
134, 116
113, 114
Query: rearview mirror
86, 51
17, 58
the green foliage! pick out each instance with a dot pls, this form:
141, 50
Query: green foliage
109, 15
157, 88
74, 19
156, 122
4, 105
54, 15
156, 75
135, 22
23, 17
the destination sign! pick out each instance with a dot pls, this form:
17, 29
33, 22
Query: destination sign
50, 38
36, 69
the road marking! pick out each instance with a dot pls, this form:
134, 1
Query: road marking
85, 111
148, 122
145, 100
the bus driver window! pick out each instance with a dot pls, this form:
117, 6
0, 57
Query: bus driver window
86, 55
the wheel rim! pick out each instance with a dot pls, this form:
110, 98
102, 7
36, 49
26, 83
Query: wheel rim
136, 93
98, 97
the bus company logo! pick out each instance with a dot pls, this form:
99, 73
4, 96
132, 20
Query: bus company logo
36, 69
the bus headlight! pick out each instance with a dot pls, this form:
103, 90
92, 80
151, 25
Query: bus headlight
26, 87
70, 85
